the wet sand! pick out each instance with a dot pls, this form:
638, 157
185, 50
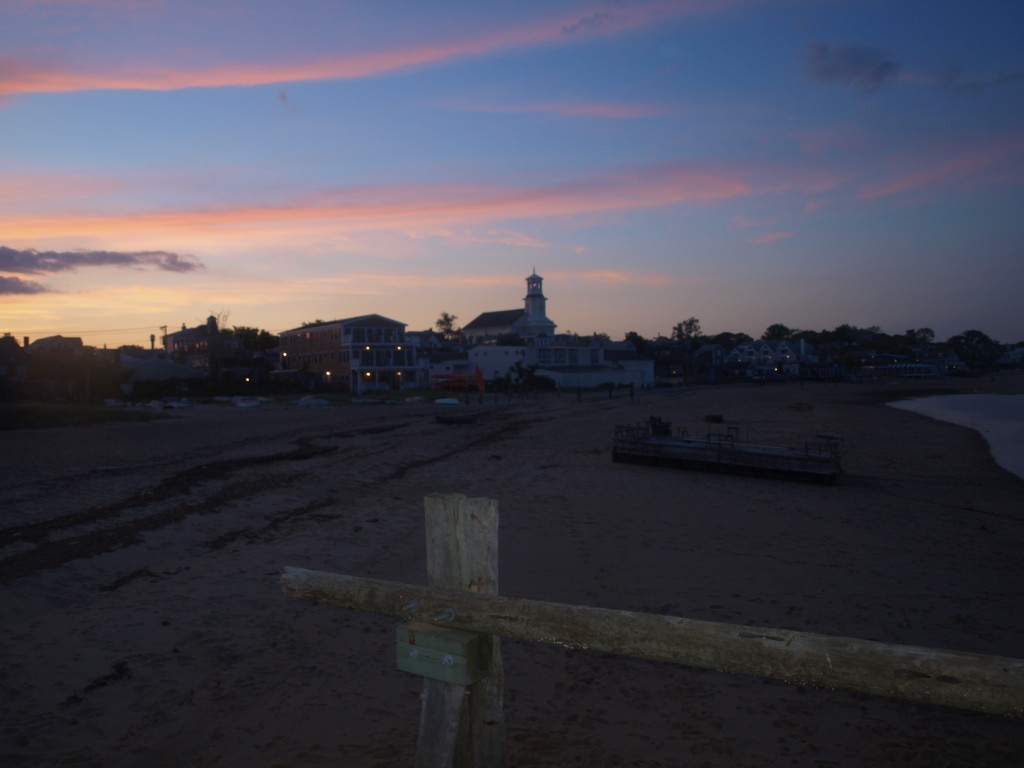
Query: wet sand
144, 624
999, 418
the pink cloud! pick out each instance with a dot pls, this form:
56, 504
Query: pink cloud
27, 191
78, 6
489, 237
416, 211
23, 75
770, 237
746, 222
982, 164
617, 277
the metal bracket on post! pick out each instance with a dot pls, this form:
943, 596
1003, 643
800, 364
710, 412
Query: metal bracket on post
439, 653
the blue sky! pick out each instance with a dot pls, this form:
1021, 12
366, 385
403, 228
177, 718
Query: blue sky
811, 163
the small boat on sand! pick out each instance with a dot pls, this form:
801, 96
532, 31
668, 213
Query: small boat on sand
652, 442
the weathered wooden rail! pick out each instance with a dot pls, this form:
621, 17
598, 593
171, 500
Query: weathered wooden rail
462, 570
993, 684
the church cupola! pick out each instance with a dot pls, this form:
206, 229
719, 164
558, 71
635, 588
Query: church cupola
535, 300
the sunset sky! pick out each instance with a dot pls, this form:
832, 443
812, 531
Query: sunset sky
746, 162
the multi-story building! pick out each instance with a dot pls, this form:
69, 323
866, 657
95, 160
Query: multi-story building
204, 348
358, 354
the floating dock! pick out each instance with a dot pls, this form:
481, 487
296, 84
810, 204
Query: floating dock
653, 443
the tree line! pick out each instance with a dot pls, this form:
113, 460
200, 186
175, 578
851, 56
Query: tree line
973, 347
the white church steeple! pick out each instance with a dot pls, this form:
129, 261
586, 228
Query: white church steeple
535, 320
535, 300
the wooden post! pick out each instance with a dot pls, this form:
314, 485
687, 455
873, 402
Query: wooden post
462, 726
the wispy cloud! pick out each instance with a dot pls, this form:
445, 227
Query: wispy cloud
29, 190
11, 286
413, 209
746, 222
868, 68
33, 262
19, 74
493, 237
84, 5
957, 81
770, 237
834, 139
620, 277
765, 238
982, 164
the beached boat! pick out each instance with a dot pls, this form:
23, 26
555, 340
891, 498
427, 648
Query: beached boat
654, 443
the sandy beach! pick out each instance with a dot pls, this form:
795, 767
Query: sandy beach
144, 624
999, 418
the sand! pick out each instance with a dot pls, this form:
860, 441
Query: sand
144, 624
999, 418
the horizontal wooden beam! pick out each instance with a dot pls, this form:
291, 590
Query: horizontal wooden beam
992, 684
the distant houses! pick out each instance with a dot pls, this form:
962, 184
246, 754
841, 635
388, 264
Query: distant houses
371, 353
56, 345
206, 351
507, 348
768, 358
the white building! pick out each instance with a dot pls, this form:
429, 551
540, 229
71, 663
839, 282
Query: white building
570, 361
529, 322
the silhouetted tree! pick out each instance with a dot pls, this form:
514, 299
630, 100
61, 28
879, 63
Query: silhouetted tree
728, 339
446, 327
254, 339
976, 349
777, 332
688, 330
920, 336
637, 340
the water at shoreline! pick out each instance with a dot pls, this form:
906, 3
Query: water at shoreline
998, 418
